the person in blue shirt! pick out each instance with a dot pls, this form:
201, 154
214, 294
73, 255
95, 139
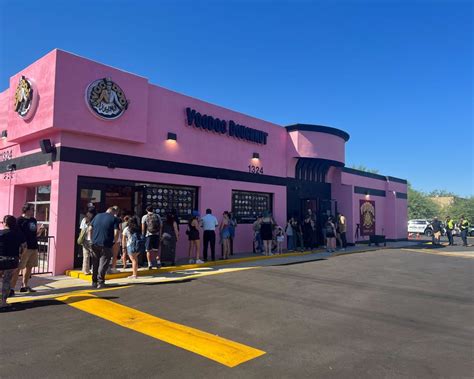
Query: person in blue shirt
103, 232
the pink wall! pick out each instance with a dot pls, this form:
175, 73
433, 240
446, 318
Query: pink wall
42, 72
318, 145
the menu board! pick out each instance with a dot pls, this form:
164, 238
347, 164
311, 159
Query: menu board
166, 198
246, 206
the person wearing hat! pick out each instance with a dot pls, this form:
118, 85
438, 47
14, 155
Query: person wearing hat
194, 238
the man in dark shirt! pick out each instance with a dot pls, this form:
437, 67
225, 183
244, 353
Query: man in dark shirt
436, 226
103, 232
28, 225
11, 241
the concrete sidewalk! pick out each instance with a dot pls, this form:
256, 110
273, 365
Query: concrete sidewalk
48, 284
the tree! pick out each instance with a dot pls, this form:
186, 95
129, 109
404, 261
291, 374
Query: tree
460, 207
441, 193
363, 168
420, 206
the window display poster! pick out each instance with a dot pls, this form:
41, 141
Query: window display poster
367, 217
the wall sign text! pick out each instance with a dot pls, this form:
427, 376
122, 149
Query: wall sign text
229, 128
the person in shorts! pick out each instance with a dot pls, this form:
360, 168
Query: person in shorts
12, 242
151, 224
27, 225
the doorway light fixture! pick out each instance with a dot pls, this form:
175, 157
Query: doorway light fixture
172, 137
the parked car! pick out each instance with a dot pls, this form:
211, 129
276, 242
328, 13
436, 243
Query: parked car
470, 231
422, 226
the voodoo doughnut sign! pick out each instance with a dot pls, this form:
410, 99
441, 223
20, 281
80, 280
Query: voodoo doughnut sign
26, 98
106, 99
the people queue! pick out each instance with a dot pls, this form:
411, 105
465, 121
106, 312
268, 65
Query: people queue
105, 236
18, 252
300, 235
112, 235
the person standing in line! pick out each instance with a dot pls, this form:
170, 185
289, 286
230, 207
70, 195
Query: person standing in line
151, 225
308, 232
290, 235
342, 225
103, 231
436, 226
266, 232
130, 237
449, 230
232, 226
117, 241
298, 234
27, 225
464, 226
125, 221
169, 238
194, 239
224, 230
330, 235
12, 244
280, 238
209, 223
257, 236
86, 243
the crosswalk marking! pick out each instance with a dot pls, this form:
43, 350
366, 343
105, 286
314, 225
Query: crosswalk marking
224, 351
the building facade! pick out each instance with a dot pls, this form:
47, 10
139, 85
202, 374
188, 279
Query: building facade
76, 132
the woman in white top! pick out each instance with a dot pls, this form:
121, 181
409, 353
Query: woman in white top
86, 246
130, 235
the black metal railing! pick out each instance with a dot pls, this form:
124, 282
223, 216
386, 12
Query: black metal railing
44, 247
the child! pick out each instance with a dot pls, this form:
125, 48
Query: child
280, 237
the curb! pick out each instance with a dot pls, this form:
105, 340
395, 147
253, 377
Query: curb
80, 275
77, 274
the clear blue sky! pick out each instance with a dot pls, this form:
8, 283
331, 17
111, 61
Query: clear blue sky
398, 76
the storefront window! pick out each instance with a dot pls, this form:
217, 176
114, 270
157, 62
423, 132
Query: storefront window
246, 206
40, 197
167, 198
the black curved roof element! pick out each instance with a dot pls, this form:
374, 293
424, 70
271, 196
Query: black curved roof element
314, 169
319, 129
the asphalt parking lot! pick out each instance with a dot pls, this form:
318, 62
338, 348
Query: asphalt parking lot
386, 313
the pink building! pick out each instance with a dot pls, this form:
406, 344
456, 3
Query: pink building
76, 131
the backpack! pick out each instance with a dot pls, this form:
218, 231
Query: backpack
136, 244
152, 223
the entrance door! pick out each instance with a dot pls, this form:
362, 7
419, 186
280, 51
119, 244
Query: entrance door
103, 196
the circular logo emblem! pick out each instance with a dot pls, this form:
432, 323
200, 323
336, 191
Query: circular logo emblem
26, 98
106, 99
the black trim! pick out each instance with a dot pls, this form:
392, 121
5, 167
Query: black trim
369, 191
401, 195
99, 158
314, 169
373, 176
319, 129
364, 173
398, 180
27, 161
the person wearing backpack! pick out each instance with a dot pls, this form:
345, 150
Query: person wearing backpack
151, 225
132, 245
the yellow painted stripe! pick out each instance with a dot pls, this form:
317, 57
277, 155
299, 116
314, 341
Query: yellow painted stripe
444, 253
24, 299
80, 275
219, 349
